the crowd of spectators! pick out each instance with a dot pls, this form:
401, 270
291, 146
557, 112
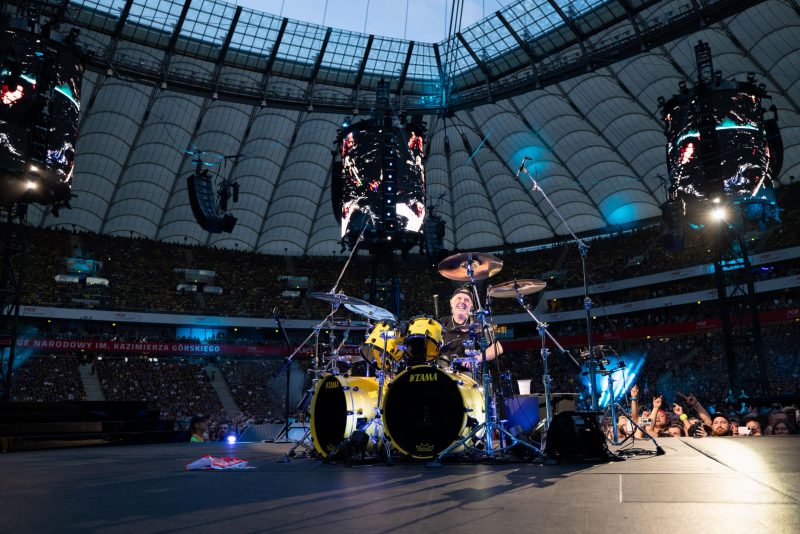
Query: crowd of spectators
253, 388
143, 275
47, 378
176, 389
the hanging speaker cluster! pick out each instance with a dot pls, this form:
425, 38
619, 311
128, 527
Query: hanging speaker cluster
205, 204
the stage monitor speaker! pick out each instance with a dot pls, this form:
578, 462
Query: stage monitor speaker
204, 205
523, 412
576, 437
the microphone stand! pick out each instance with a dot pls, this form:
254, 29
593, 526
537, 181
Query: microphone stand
583, 248
285, 431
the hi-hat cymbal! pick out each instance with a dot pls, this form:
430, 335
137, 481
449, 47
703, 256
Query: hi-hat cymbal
509, 290
338, 298
455, 267
372, 312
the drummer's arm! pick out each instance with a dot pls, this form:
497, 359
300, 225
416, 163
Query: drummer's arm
494, 350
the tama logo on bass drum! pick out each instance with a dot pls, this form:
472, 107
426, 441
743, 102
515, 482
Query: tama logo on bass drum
424, 377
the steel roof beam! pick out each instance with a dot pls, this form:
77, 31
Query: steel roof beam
582, 40
522, 44
320, 54
481, 65
406, 64
173, 40
363, 64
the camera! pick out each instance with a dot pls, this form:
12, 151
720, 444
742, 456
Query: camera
693, 429
745, 430
647, 421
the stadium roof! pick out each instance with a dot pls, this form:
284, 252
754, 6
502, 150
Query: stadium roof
571, 84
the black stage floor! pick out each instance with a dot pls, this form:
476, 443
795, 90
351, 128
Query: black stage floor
701, 485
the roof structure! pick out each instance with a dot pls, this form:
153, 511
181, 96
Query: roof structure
571, 84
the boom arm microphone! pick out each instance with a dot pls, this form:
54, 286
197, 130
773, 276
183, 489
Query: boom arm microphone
522, 165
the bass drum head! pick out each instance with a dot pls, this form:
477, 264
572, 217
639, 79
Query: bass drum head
339, 406
424, 411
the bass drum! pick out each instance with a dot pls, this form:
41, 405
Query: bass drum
426, 409
341, 405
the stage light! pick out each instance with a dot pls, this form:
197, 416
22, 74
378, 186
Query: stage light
30, 185
718, 214
231, 440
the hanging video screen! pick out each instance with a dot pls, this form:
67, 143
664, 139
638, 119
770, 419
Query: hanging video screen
744, 153
39, 104
369, 184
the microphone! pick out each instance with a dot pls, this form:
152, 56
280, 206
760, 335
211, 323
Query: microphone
522, 165
275, 313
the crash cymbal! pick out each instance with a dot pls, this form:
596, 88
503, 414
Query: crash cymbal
483, 266
508, 290
372, 312
338, 298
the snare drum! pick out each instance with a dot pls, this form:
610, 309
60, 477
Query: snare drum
340, 406
423, 339
384, 340
426, 409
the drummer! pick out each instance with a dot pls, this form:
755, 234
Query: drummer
460, 308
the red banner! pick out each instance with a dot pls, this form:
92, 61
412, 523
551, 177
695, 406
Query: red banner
783, 315
154, 347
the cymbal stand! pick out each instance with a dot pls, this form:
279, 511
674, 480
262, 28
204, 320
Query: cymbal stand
378, 436
490, 424
544, 335
315, 333
583, 248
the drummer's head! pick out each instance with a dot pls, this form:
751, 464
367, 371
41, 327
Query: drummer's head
461, 304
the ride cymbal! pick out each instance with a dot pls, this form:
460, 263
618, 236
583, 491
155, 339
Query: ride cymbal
483, 266
509, 290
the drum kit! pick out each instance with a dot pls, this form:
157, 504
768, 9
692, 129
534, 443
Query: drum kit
413, 400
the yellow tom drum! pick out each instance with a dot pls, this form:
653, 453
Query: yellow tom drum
423, 339
341, 405
383, 345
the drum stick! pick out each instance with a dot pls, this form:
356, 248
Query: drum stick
436, 305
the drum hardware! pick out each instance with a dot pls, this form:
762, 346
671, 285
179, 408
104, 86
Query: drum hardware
469, 267
544, 335
378, 437
336, 299
613, 406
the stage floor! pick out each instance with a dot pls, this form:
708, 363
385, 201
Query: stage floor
701, 485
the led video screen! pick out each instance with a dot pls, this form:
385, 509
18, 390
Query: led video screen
365, 188
744, 153
39, 104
